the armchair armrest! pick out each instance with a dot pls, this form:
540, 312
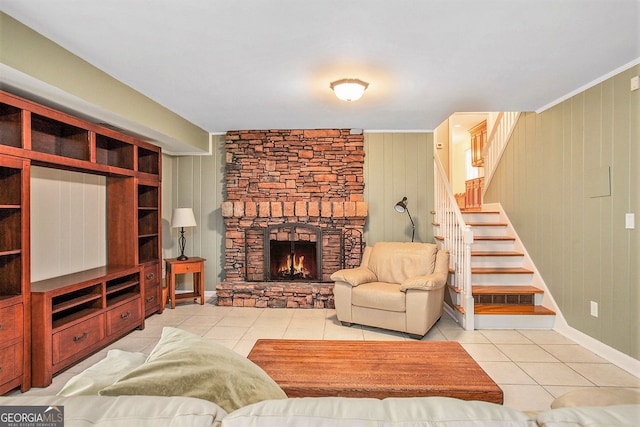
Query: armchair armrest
428, 282
354, 276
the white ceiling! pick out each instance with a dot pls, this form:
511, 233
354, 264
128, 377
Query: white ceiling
258, 64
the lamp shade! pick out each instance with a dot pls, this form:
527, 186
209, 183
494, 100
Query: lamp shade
401, 206
349, 89
183, 217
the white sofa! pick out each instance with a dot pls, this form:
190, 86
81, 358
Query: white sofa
154, 411
189, 381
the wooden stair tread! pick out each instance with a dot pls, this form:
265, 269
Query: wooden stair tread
454, 289
504, 270
487, 224
473, 211
505, 290
496, 253
512, 309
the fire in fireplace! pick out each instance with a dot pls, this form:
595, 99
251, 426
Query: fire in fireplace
293, 260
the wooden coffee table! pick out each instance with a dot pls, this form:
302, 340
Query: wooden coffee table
379, 369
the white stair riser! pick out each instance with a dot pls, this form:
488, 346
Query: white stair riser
478, 217
514, 321
501, 279
490, 230
496, 261
492, 246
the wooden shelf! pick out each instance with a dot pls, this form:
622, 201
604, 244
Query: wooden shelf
10, 126
11, 252
148, 161
129, 296
31, 133
113, 152
115, 288
58, 138
74, 302
66, 321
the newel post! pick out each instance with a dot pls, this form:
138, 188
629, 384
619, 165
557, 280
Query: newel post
468, 295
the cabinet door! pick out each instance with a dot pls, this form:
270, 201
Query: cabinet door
478, 141
10, 364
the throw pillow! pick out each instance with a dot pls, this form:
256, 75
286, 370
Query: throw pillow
185, 364
116, 365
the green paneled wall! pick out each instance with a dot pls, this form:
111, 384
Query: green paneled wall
197, 182
398, 165
550, 182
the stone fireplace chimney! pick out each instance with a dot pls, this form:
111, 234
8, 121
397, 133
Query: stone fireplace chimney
284, 186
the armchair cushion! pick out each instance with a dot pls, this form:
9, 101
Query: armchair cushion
354, 276
378, 295
394, 262
427, 283
430, 281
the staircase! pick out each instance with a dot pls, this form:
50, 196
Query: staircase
503, 288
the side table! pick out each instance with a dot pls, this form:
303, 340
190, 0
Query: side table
193, 265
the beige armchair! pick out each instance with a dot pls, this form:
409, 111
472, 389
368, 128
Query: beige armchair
398, 286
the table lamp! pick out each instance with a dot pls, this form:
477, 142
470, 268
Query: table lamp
182, 217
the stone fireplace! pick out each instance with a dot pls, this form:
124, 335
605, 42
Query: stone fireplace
294, 214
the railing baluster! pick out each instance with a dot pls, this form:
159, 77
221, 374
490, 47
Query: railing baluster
497, 142
454, 232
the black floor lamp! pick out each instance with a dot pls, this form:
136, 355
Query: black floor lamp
401, 207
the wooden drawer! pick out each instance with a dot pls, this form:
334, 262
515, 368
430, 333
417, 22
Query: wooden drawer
151, 298
152, 274
186, 268
74, 340
151, 288
124, 317
10, 362
10, 323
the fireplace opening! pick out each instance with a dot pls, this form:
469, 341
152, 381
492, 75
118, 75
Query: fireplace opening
293, 260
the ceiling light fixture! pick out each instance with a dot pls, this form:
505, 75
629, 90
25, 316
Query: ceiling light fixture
349, 89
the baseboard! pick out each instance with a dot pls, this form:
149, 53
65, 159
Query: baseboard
618, 358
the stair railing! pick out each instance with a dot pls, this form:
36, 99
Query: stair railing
497, 142
455, 236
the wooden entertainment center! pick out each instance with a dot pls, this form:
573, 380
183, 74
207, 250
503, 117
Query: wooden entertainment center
49, 325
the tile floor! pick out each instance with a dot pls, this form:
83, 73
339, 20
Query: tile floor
531, 366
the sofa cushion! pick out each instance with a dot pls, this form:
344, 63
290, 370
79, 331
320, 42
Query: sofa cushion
185, 364
116, 365
596, 396
378, 295
591, 416
138, 411
365, 412
394, 262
